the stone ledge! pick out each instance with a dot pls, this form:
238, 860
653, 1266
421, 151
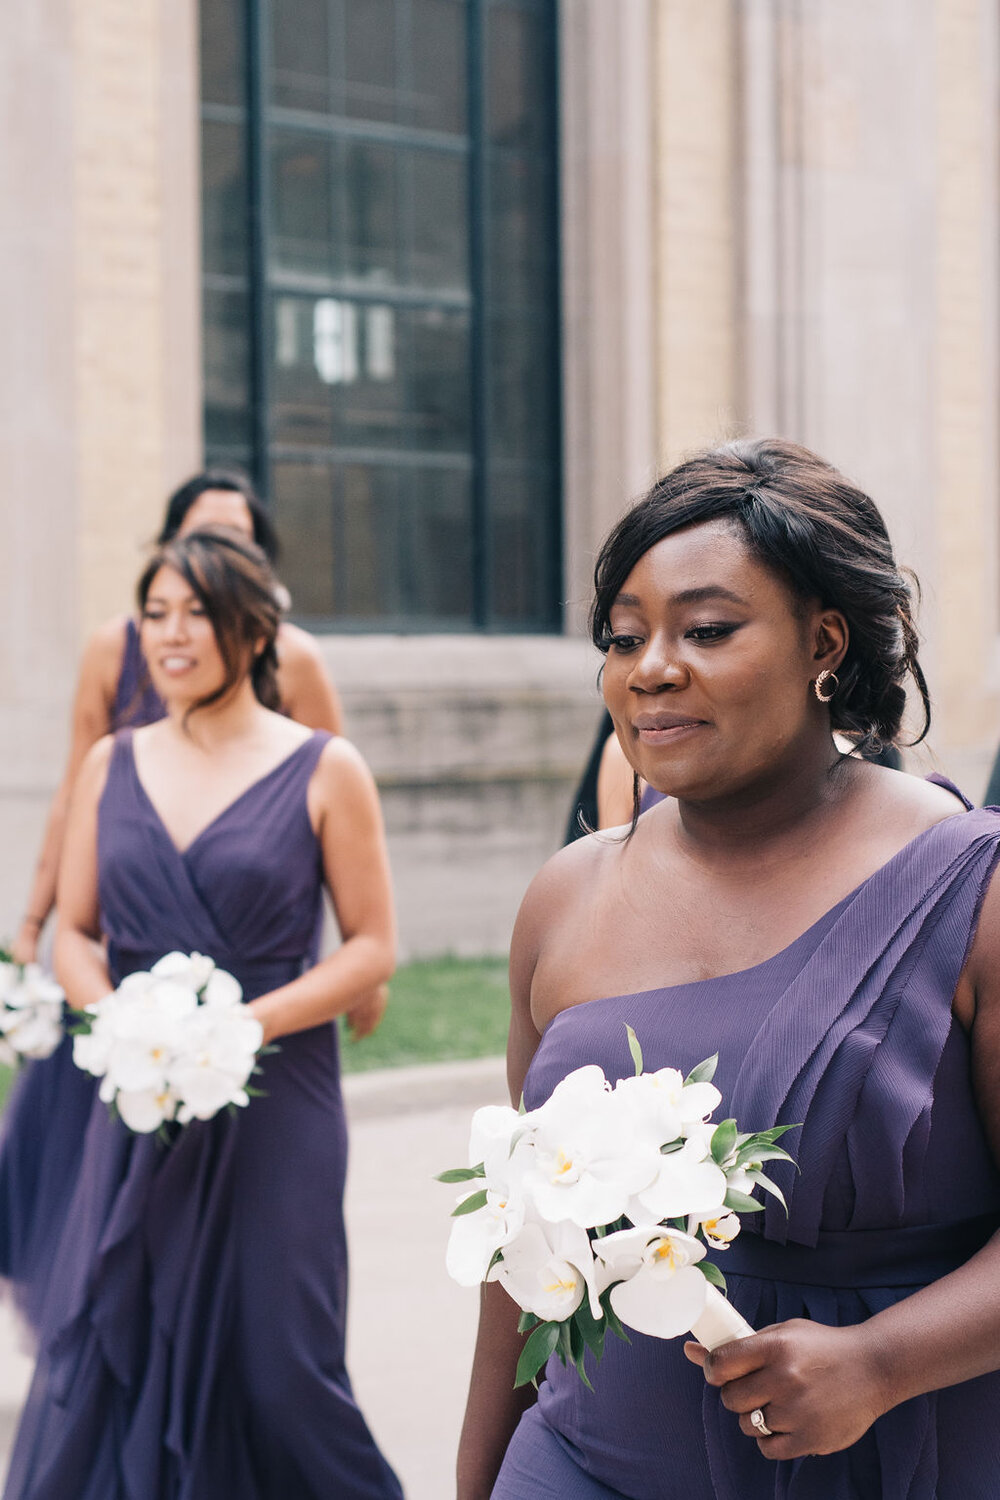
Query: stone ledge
429, 1086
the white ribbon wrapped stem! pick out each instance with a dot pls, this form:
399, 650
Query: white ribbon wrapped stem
720, 1323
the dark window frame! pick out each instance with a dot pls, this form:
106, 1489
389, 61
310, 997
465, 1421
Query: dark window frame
259, 118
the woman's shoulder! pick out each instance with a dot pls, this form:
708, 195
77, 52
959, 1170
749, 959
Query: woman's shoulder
104, 651
296, 646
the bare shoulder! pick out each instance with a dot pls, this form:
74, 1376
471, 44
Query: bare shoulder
102, 654
576, 872
93, 771
342, 771
906, 803
297, 647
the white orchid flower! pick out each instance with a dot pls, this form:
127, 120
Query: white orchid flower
221, 990
685, 1183
590, 1154
475, 1238
36, 1032
91, 1051
666, 1104
145, 1110
660, 1291
10, 979
719, 1229
541, 1269
192, 969
35, 988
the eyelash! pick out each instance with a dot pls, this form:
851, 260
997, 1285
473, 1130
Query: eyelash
701, 634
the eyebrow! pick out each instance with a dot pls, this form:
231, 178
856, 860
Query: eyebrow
690, 596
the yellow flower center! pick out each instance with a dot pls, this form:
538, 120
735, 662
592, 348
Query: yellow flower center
665, 1251
558, 1287
564, 1164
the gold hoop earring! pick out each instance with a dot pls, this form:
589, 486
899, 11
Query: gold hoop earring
824, 677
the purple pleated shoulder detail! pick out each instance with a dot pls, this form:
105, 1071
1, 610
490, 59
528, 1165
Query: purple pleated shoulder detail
848, 1032
136, 700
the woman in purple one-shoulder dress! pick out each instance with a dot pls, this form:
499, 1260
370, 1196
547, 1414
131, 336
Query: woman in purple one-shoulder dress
191, 1328
832, 930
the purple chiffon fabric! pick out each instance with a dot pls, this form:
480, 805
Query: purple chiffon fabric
43, 1128
136, 700
849, 1030
191, 1325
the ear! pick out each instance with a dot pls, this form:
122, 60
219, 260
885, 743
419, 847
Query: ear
830, 637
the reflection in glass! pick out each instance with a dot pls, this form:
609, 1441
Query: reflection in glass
439, 255
302, 237
300, 54
225, 232
517, 58
223, 61
369, 78
227, 368
376, 544
521, 395
368, 375
520, 506
436, 99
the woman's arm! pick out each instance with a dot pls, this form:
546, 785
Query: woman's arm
494, 1407
823, 1387
345, 812
80, 963
307, 694
92, 707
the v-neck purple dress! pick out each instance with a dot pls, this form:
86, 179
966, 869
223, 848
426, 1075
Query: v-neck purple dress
850, 1031
191, 1336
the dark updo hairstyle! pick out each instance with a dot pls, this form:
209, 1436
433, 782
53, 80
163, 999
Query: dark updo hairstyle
232, 579
182, 499
800, 517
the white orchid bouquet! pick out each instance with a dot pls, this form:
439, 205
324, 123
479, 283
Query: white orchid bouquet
595, 1210
31, 1011
173, 1043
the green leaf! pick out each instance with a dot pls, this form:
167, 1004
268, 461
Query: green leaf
538, 1346
705, 1071
635, 1049
578, 1349
723, 1140
614, 1322
769, 1187
711, 1273
470, 1205
753, 1152
564, 1343
768, 1137
461, 1174
741, 1203
527, 1321
670, 1147
522, 1108
495, 1260
592, 1330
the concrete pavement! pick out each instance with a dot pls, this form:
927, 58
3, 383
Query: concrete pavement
410, 1329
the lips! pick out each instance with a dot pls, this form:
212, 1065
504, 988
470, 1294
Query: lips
665, 728
665, 720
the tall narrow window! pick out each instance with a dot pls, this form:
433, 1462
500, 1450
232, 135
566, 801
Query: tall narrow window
381, 300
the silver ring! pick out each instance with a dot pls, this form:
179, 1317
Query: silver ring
758, 1424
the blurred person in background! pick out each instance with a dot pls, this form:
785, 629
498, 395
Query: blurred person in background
114, 688
192, 1300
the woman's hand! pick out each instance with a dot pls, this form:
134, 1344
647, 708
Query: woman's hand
24, 948
366, 1014
816, 1386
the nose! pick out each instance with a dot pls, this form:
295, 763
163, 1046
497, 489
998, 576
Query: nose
655, 669
175, 626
